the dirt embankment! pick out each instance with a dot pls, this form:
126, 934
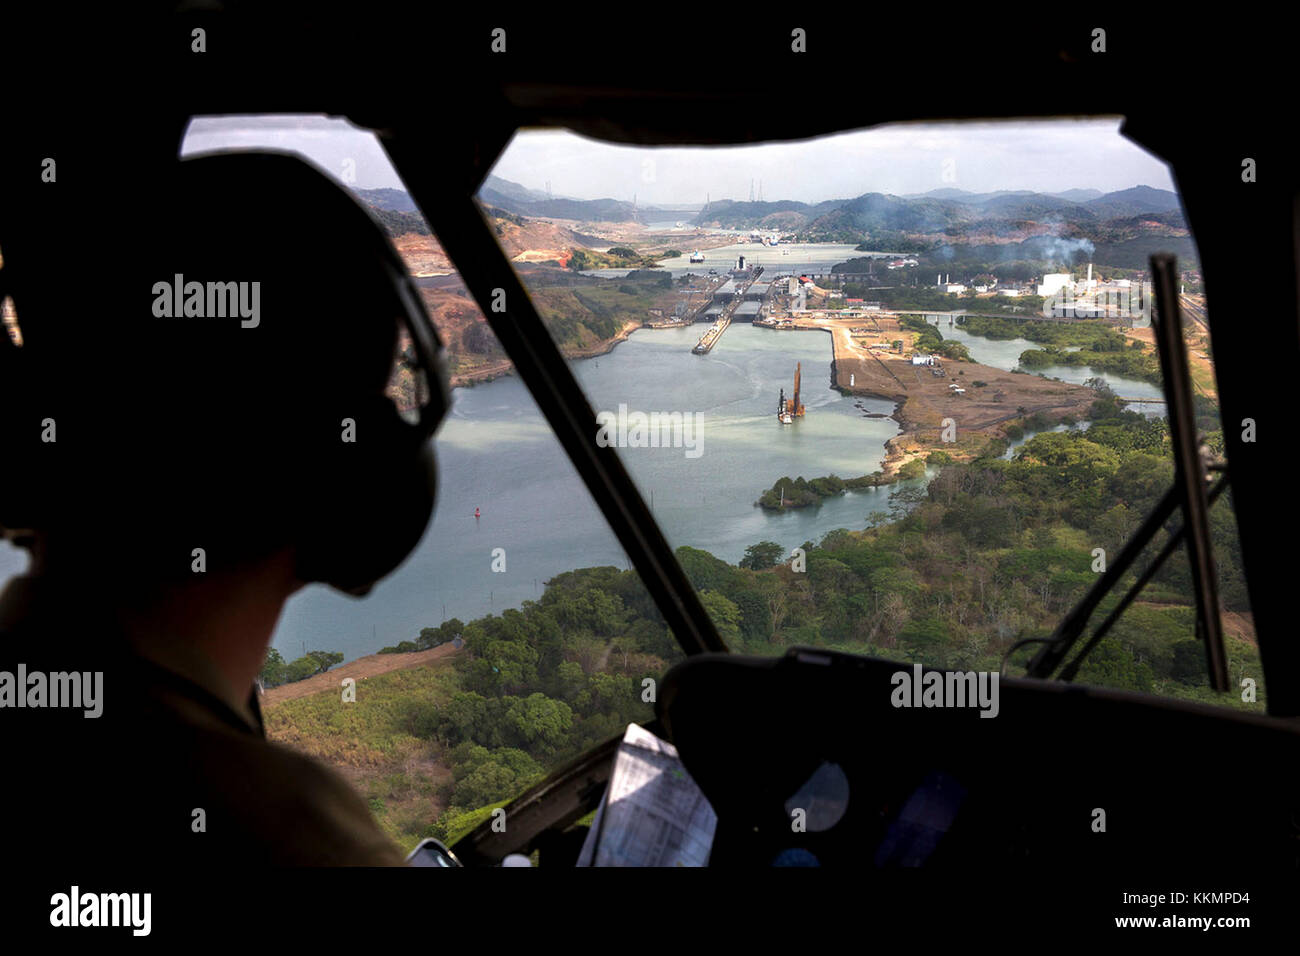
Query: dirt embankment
495, 369
602, 235
454, 311
423, 255
1199, 359
369, 666
927, 407
536, 241
541, 241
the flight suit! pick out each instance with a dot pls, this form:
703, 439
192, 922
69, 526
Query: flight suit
172, 773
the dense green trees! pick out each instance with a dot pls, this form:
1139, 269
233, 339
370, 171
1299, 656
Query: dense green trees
957, 351
995, 550
787, 492
427, 638
912, 469
483, 776
1099, 345
478, 339
539, 684
1093, 334
272, 673
1130, 363
276, 671
725, 616
762, 555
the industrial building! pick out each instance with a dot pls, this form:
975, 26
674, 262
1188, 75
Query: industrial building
1082, 308
1090, 298
945, 285
1053, 283
1103, 301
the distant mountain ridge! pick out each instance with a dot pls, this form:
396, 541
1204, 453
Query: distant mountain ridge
394, 200
941, 209
961, 195
945, 211
1122, 225
523, 201
504, 187
1134, 202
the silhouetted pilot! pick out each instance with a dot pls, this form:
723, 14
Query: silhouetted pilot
216, 447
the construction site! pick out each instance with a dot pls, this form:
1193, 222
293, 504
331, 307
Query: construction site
874, 356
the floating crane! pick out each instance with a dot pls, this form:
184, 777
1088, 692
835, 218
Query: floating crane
788, 410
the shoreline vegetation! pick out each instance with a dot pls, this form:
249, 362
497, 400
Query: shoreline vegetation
1083, 342
983, 420
787, 493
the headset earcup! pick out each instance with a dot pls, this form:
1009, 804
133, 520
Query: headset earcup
367, 515
399, 513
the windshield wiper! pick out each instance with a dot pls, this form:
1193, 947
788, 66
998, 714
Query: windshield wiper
1054, 649
1175, 539
1188, 494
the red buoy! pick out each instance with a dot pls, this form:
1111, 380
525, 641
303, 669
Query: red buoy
475, 512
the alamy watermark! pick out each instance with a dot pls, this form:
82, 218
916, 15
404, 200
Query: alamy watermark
1132, 301
36, 689
212, 300
626, 429
75, 908
946, 689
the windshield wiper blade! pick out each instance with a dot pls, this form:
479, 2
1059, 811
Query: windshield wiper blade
1188, 494
1189, 474
1175, 539
1052, 653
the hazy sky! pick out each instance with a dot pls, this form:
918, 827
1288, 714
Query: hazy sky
900, 159
1045, 156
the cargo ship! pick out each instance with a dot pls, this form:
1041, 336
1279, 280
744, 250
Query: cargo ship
710, 338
